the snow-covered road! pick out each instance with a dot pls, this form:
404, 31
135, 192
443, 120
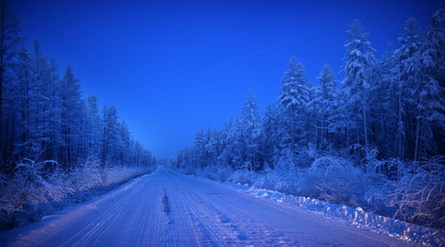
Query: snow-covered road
170, 209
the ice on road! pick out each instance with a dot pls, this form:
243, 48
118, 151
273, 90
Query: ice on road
170, 209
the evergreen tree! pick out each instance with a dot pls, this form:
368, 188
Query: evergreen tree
293, 98
23, 71
94, 128
250, 134
431, 104
271, 143
386, 120
110, 136
10, 41
70, 118
326, 102
358, 71
407, 76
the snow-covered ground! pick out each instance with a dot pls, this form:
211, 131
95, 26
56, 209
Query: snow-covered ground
171, 209
380, 224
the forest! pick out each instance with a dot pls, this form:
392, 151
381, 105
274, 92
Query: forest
55, 145
374, 139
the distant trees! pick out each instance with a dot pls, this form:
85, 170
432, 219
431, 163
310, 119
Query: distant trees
394, 106
44, 117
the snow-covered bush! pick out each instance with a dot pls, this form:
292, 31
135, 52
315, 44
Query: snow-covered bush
420, 195
189, 170
267, 180
27, 186
85, 177
37, 187
305, 156
335, 180
243, 177
215, 173
376, 196
118, 175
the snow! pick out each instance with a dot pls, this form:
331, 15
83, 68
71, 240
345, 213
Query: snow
375, 223
170, 209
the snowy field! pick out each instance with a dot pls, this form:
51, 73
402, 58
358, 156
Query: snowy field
170, 209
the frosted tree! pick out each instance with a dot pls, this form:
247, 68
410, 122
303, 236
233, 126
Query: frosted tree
293, 98
25, 79
358, 71
71, 112
229, 145
406, 77
339, 121
47, 103
9, 44
326, 100
271, 142
430, 120
124, 143
110, 136
385, 121
294, 91
433, 53
200, 148
94, 127
250, 134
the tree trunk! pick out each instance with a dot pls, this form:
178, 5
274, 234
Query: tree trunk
416, 147
365, 127
400, 130
2, 50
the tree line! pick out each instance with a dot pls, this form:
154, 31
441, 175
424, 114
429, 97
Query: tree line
394, 105
43, 116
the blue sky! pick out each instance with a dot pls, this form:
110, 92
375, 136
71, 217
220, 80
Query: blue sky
173, 67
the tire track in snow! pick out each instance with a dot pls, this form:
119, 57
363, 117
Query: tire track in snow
187, 216
245, 230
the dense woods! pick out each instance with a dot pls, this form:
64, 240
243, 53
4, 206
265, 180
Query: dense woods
374, 139
43, 114
50, 132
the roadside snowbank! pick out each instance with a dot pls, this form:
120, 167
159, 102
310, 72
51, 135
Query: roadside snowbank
32, 193
376, 223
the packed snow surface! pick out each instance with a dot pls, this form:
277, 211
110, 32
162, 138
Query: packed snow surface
170, 209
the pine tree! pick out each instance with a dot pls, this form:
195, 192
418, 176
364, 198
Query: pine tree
110, 136
124, 144
47, 98
9, 44
271, 142
326, 101
25, 79
94, 128
431, 103
250, 134
407, 76
71, 113
294, 90
386, 120
358, 71
293, 100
